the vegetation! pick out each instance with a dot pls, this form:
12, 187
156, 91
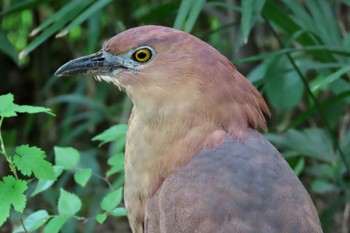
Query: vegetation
53, 173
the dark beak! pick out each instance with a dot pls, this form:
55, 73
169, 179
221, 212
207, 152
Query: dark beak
101, 63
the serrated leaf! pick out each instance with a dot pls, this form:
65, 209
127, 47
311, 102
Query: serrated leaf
11, 193
32, 160
34, 221
45, 184
56, 223
68, 203
112, 200
82, 176
66, 157
117, 212
112, 134
100, 218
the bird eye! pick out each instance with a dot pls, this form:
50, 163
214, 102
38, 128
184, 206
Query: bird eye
142, 55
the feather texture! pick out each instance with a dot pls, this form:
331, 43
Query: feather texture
240, 187
193, 161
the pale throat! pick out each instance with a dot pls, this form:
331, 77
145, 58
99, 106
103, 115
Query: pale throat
161, 143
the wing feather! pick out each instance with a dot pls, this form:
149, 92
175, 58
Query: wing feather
240, 187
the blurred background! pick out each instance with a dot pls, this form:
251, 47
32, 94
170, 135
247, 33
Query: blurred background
296, 53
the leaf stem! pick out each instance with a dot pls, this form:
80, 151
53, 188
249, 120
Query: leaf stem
2, 145
4, 153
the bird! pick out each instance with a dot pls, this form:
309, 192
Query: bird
195, 161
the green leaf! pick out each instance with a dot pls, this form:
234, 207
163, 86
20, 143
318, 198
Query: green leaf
11, 193
322, 187
42, 38
84, 16
188, 13
112, 200
18, 6
82, 176
6, 47
66, 157
68, 203
313, 143
100, 218
324, 171
9, 109
118, 212
117, 163
324, 82
45, 184
284, 89
32, 159
34, 221
33, 109
66, 11
196, 9
181, 16
247, 8
56, 223
7, 105
112, 134
251, 11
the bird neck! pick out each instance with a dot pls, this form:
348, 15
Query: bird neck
161, 143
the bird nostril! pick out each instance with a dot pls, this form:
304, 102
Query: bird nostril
98, 57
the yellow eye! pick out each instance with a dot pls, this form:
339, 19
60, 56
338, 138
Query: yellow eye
142, 55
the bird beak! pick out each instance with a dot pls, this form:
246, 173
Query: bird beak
100, 63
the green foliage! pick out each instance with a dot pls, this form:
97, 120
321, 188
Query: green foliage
34, 221
295, 52
11, 193
31, 162
32, 159
68, 203
67, 158
82, 176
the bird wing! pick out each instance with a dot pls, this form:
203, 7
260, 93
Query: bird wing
240, 187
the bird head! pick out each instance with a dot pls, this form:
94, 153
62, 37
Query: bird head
167, 71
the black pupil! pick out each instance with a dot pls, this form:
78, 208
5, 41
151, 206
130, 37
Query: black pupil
141, 55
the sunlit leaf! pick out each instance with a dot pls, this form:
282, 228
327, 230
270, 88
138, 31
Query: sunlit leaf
66, 157
34, 221
100, 218
117, 212
32, 160
56, 223
82, 176
45, 184
112, 200
11, 193
68, 203
112, 134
